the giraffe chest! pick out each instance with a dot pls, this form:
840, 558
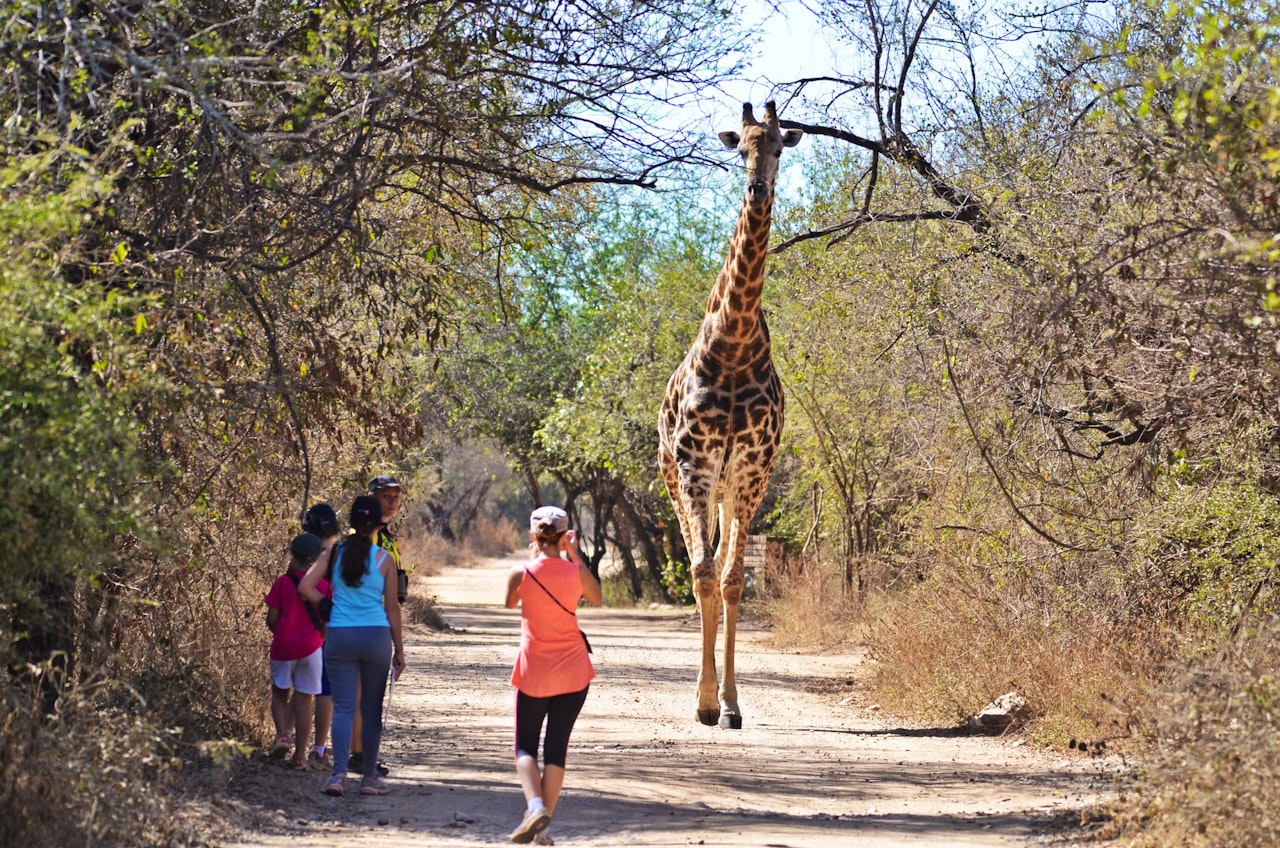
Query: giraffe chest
715, 420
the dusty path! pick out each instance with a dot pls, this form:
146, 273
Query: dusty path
804, 771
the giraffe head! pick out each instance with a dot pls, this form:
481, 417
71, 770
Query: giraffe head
760, 145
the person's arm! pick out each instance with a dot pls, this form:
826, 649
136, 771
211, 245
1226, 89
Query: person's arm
514, 578
273, 616
309, 586
387, 565
590, 585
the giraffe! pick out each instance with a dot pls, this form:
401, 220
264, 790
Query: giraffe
721, 416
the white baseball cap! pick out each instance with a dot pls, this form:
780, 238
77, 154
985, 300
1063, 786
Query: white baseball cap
549, 522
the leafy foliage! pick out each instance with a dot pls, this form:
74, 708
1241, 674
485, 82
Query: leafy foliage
71, 371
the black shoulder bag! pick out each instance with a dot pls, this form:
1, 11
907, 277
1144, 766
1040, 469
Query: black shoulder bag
317, 620
326, 603
319, 613
585, 640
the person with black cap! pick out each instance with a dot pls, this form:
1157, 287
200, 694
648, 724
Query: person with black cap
363, 644
552, 670
389, 493
296, 658
323, 522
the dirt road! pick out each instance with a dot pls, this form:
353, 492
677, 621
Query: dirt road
807, 769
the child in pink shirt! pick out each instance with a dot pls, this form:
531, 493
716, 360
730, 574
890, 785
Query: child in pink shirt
296, 659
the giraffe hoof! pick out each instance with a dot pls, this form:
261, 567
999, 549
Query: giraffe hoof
731, 721
709, 717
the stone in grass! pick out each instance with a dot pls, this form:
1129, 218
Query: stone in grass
1008, 712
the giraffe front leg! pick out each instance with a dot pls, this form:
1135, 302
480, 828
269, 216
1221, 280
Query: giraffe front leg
732, 583
708, 594
730, 715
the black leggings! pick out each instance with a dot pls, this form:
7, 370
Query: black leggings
559, 711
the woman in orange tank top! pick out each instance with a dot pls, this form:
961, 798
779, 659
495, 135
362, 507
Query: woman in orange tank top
552, 670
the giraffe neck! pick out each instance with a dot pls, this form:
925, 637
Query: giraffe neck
733, 329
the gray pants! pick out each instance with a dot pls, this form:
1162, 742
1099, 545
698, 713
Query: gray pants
357, 659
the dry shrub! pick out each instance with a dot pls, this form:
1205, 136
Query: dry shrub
424, 555
204, 666
422, 608
807, 605
95, 772
944, 650
171, 663
489, 538
1213, 762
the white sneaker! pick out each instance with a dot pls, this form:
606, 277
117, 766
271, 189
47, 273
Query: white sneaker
544, 838
535, 821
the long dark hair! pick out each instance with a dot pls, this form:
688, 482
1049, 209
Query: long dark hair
355, 558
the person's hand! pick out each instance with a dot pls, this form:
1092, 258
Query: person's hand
570, 542
397, 664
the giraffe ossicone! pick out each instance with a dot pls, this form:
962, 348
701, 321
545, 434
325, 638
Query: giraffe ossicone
721, 416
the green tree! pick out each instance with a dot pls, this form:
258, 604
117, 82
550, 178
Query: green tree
72, 370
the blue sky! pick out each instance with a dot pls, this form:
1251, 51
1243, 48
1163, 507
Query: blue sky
791, 45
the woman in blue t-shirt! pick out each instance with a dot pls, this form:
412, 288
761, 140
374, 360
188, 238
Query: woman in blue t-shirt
363, 642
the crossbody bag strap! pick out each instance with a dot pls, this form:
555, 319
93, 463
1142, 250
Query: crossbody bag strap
572, 614
549, 595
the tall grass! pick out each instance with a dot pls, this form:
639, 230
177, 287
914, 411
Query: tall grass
1211, 770
807, 605
943, 652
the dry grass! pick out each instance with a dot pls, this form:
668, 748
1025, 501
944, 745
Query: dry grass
942, 655
489, 538
93, 775
945, 648
1212, 765
808, 607
423, 556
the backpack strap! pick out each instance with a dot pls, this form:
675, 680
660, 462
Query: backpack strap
312, 612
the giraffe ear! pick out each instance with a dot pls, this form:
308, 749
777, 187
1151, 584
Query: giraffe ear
730, 139
791, 138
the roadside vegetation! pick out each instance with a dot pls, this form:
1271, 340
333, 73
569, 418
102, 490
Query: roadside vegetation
1023, 301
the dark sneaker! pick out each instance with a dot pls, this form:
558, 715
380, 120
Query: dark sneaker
535, 821
355, 765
